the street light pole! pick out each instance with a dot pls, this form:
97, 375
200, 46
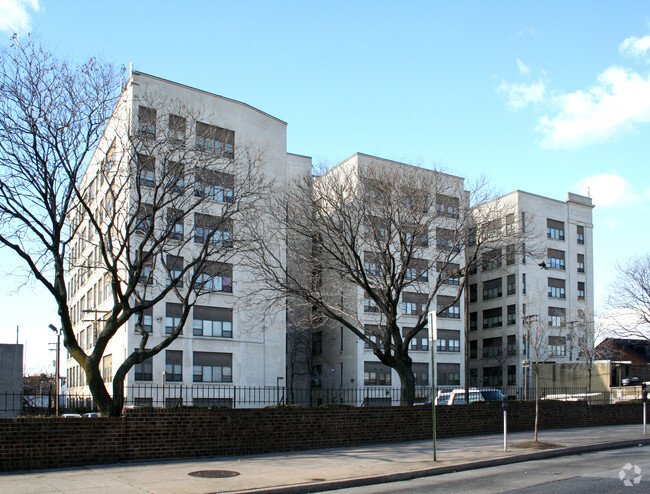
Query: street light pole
56, 376
434, 336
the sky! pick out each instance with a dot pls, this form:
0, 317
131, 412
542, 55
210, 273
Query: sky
546, 97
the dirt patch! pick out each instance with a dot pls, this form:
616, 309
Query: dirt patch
536, 445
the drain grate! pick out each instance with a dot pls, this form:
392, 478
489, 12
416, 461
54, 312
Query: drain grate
213, 474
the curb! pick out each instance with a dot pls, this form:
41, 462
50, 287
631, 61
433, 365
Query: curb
460, 467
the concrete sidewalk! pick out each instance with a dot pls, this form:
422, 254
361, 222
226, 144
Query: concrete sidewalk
318, 470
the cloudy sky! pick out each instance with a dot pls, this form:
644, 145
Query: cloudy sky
546, 97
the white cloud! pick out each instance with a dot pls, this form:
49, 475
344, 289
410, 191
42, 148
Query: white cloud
521, 95
620, 99
15, 16
523, 68
607, 189
634, 46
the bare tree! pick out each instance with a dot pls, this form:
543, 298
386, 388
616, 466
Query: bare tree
629, 298
582, 334
381, 241
107, 234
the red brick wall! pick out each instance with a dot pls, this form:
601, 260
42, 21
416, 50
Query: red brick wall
29, 443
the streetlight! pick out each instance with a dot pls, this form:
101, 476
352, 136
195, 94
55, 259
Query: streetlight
433, 330
56, 376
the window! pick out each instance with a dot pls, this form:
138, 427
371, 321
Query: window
452, 310
317, 343
511, 283
416, 235
174, 267
144, 370
421, 373
556, 288
446, 240
214, 185
448, 341
212, 367
216, 277
147, 320
173, 366
473, 321
493, 318
511, 227
473, 349
492, 376
143, 221
512, 375
581, 234
173, 313
473, 293
373, 333
556, 259
369, 305
413, 304
491, 260
556, 316
449, 273
215, 140
492, 347
512, 315
174, 177
417, 270
555, 229
420, 342
146, 276
492, 289
557, 346
581, 263
448, 374
511, 345
175, 223
376, 374
213, 229
372, 264
147, 122
523, 283
492, 229
581, 290
447, 205
146, 171
212, 321
510, 254
107, 368
176, 129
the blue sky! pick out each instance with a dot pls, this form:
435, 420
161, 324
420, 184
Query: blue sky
546, 97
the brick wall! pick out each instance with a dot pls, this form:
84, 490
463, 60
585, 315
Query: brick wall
30, 443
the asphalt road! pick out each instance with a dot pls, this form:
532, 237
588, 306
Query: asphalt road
592, 473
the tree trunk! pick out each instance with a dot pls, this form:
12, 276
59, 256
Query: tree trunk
98, 389
536, 403
407, 382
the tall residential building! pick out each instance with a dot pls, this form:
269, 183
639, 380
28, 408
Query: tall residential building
226, 339
544, 286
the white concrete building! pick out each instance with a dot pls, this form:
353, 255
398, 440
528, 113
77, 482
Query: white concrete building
547, 287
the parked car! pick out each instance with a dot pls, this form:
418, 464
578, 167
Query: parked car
90, 415
70, 415
476, 395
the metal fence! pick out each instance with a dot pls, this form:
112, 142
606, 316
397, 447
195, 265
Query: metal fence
170, 396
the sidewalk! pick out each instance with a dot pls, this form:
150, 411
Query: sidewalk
317, 470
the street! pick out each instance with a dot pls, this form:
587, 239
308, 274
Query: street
592, 473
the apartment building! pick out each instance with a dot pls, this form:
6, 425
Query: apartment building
226, 340
544, 286
341, 358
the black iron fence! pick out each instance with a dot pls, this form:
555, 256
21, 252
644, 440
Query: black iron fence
170, 396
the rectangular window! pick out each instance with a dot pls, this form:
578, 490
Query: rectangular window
581, 290
473, 293
173, 313
447, 206
144, 370
511, 283
216, 277
452, 310
421, 373
417, 270
555, 229
449, 273
581, 263
147, 122
212, 321
523, 283
511, 345
373, 332
510, 254
317, 343
413, 304
581, 234
420, 342
492, 376
448, 341
143, 220
107, 368
376, 374
491, 260
556, 316
369, 305
174, 267
556, 259
176, 129
146, 171
473, 321
556, 288
448, 374
512, 315
214, 185
175, 223
511, 226
557, 346
173, 366
446, 240
147, 320
492, 289
372, 264
493, 318
211, 367
215, 140
473, 349
492, 347
512, 375
213, 229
